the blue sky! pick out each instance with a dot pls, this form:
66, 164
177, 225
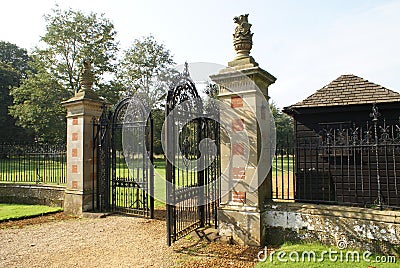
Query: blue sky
305, 44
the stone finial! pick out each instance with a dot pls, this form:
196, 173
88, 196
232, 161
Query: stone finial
186, 70
242, 38
87, 78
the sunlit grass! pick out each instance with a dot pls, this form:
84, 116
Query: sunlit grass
16, 211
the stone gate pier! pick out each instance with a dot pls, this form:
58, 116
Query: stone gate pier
241, 212
82, 109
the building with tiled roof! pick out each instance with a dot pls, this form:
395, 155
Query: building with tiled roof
348, 98
337, 131
348, 90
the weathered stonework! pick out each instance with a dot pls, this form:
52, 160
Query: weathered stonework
32, 194
243, 86
363, 228
82, 109
242, 37
242, 225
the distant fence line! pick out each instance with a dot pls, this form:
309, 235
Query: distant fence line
33, 163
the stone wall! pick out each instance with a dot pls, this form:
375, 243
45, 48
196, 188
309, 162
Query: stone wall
363, 228
32, 194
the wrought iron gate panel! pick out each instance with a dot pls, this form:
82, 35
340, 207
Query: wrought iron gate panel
101, 156
126, 188
212, 172
189, 186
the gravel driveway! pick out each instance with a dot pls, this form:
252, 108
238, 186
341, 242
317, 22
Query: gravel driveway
114, 241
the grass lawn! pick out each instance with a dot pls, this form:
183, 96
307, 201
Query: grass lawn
16, 211
282, 169
53, 172
349, 257
159, 182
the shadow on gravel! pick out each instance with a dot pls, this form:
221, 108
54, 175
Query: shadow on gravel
36, 220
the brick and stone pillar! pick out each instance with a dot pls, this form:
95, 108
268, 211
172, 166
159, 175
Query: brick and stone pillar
81, 110
243, 86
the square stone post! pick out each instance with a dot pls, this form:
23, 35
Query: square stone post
241, 214
82, 109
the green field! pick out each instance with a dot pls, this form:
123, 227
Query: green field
159, 181
52, 171
297, 255
282, 164
16, 211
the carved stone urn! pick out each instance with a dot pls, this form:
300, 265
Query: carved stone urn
242, 38
242, 48
87, 78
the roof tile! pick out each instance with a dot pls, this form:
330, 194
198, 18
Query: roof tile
349, 89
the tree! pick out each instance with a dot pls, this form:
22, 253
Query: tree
158, 121
14, 56
13, 67
37, 106
71, 36
284, 127
146, 70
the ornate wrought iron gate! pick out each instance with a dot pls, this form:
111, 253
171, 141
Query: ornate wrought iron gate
124, 170
192, 161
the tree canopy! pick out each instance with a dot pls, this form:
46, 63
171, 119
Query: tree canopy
37, 106
71, 36
284, 127
13, 67
146, 69
54, 70
15, 57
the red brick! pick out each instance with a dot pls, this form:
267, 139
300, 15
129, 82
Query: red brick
74, 152
239, 197
74, 184
237, 124
75, 121
239, 173
238, 149
74, 168
75, 136
236, 102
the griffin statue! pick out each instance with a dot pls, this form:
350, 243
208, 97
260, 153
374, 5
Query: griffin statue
242, 38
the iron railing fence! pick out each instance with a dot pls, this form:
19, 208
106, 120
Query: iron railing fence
357, 175
283, 173
33, 163
365, 175
356, 165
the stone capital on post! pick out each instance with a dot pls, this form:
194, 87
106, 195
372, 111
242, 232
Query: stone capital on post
242, 86
82, 109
